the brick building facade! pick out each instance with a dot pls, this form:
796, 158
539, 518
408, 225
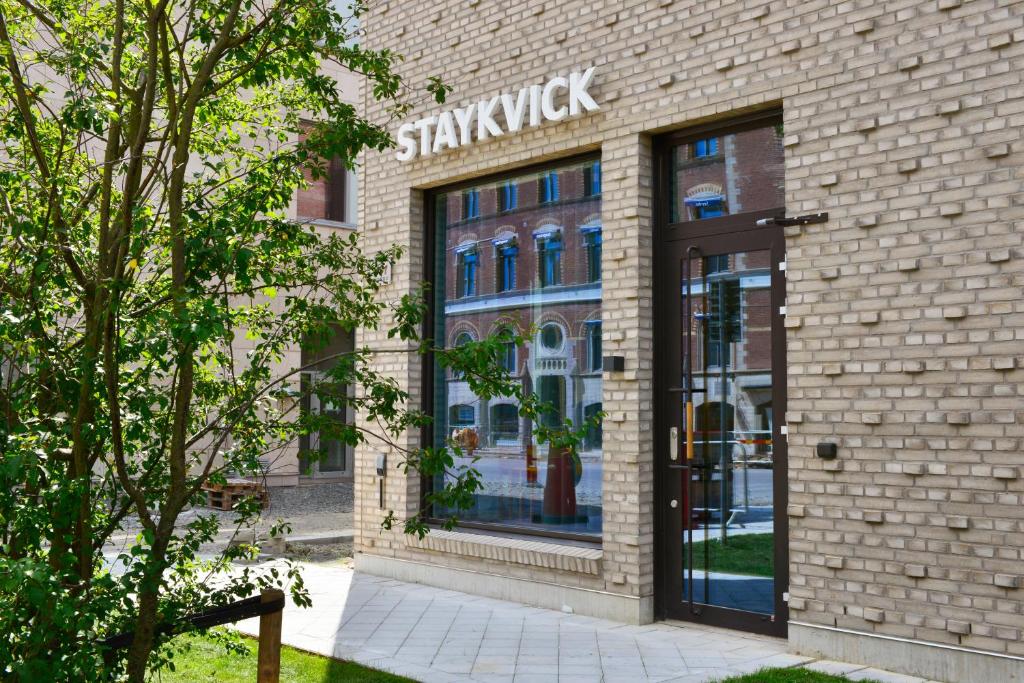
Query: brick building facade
900, 342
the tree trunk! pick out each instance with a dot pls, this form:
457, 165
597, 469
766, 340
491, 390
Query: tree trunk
149, 600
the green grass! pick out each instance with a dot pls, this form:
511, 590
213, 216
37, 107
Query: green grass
787, 676
749, 555
207, 661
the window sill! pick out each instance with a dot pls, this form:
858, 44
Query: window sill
569, 558
327, 223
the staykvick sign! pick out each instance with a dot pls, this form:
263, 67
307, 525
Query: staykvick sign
534, 104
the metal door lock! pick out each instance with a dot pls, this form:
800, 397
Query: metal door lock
673, 504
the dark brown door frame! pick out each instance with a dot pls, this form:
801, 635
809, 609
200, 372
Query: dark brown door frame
716, 235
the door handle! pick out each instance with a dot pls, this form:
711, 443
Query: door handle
673, 443
689, 430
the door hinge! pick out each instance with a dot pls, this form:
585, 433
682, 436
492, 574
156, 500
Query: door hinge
782, 310
785, 597
782, 266
783, 429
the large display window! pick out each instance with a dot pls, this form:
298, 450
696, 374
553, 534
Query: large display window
521, 252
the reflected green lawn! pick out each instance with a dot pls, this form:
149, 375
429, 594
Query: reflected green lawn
747, 555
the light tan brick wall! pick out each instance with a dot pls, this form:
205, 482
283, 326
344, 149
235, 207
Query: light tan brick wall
905, 328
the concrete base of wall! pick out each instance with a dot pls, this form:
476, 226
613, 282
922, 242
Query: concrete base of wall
914, 657
593, 603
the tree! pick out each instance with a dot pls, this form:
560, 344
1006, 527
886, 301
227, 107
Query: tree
150, 153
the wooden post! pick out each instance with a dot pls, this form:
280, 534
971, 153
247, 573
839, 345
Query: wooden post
268, 668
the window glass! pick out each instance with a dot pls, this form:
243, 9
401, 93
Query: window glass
592, 179
729, 174
592, 239
471, 204
509, 194
468, 267
522, 253
329, 194
507, 267
549, 191
549, 257
593, 328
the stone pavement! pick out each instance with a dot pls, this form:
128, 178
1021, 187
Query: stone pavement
444, 636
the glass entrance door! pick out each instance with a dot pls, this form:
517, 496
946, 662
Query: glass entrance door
728, 475
723, 500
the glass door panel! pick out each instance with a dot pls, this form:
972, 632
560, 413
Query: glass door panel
728, 510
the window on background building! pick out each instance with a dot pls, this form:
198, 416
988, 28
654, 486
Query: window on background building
710, 210
592, 180
508, 195
592, 243
469, 262
549, 260
593, 438
593, 335
705, 148
508, 355
504, 422
333, 196
549, 188
551, 390
551, 337
461, 416
470, 204
556, 293
323, 453
724, 325
461, 340
507, 255
717, 264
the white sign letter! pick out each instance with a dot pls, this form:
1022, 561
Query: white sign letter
407, 142
535, 93
515, 111
578, 94
547, 102
486, 126
445, 134
424, 127
464, 117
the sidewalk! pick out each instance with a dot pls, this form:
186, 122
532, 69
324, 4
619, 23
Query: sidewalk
442, 636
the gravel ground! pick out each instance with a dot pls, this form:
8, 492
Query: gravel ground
310, 508
318, 509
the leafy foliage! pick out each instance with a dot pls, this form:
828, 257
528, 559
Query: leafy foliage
152, 287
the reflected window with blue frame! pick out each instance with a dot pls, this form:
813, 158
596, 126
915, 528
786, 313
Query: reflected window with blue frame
507, 255
509, 196
592, 243
708, 147
549, 257
592, 180
548, 188
469, 262
470, 204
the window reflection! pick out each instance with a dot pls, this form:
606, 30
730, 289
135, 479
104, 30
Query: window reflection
523, 255
728, 174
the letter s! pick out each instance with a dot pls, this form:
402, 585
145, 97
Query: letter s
407, 142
